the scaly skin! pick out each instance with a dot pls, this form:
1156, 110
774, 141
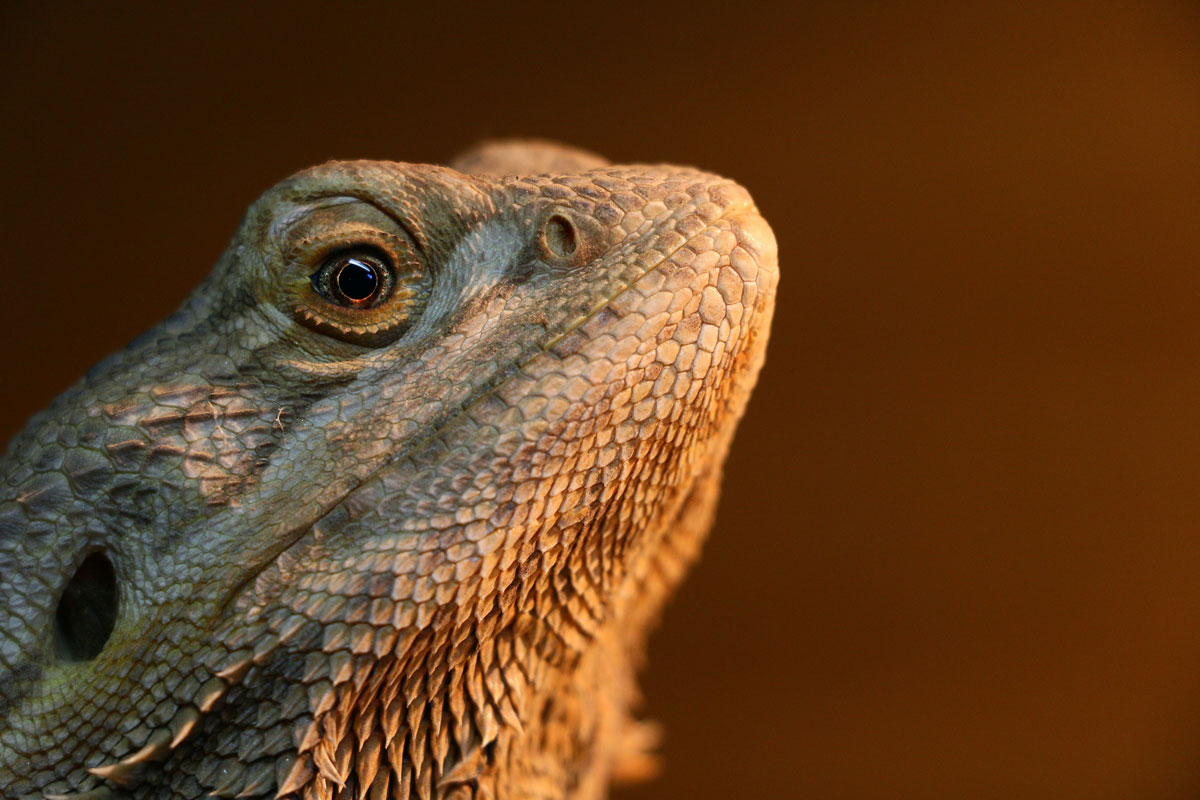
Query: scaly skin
408, 551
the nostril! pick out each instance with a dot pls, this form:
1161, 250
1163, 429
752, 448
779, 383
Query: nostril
755, 235
559, 236
87, 611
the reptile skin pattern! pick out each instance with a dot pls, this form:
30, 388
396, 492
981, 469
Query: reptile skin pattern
387, 507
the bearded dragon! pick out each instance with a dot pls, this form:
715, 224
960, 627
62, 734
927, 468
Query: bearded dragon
387, 507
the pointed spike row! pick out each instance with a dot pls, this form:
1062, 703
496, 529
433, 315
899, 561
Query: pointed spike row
457, 696
435, 707
416, 747
208, 694
424, 781
441, 635
406, 642
341, 667
344, 755
395, 756
367, 764
157, 748
320, 698
488, 729
414, 713
508, 713
308, 735
364, 719
363, 672
335, 725
293, 773
120, 774
467, 769
391, 720
414, 685
234, 775
461, 650
516, 681
435, 676
100, 793
487, 653
323, 759
465, 613
494, 683
320, 789
504, 647
439, 741
460, 723
379, 786
374, 676
258, 778
404, 789
474, 683
395, 680
182, 725
487, 626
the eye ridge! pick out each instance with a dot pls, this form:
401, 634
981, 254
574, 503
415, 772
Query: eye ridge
358, 278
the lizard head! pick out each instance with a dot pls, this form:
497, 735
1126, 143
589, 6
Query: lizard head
390, 501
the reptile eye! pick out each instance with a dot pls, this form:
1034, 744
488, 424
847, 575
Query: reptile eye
355, 279
367, 293
351, 273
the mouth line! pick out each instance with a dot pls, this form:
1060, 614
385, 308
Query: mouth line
296, 534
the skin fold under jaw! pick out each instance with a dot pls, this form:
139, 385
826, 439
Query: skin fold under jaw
387, 508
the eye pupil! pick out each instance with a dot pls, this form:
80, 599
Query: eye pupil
365, 292
356, 280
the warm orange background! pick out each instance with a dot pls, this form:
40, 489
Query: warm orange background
959, 551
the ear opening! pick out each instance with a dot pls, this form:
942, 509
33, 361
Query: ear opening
87, 611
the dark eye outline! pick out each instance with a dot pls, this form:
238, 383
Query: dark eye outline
326, 280
315, 299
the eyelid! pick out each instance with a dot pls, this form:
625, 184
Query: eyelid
415, 237
319, 247
282, 223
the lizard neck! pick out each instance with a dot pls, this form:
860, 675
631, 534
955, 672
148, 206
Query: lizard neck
534, 701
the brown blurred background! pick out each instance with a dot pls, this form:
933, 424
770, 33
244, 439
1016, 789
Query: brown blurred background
959, 550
